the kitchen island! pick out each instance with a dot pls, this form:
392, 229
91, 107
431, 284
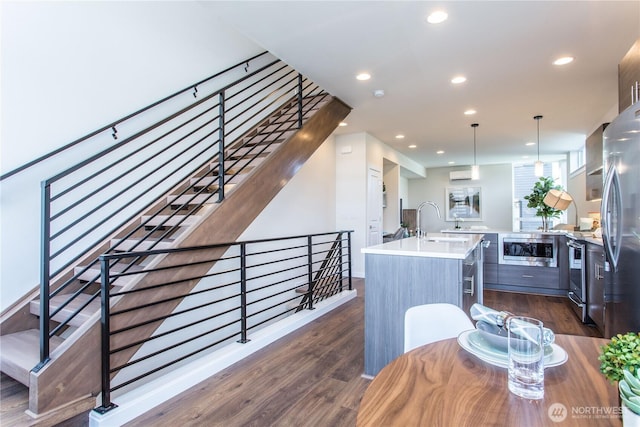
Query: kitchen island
436, 268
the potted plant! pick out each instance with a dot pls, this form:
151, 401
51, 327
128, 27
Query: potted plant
620, 361
535, 200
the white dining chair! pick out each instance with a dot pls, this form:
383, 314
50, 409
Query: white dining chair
427, 323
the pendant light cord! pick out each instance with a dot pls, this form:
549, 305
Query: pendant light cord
537, 118
474, 126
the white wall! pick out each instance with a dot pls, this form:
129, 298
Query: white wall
355, 154
71, 67
496, 183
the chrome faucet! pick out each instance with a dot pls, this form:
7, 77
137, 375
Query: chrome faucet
419, 231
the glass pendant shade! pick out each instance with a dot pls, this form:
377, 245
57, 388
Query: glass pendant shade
538, 168
475, 172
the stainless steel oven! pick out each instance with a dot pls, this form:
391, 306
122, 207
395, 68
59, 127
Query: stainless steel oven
528, 249
578, 278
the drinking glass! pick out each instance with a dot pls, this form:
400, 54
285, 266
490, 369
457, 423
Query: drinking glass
526, 357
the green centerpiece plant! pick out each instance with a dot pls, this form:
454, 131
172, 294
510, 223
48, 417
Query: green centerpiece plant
622, 352
535, 200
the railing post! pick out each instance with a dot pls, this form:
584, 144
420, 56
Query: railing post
341, 261
221, 147
243, 294
105, 352
310, 270
45, 252
349, 253
299, 101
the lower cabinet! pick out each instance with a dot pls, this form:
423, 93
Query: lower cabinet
537, 277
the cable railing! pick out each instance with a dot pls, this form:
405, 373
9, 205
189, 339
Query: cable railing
161, 167
196, 300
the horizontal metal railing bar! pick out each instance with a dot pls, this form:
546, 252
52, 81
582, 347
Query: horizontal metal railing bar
138, 150
141, 179
171, 331
148, 129
126, 221
165, 317
280, 282
262, 276
212, 246
231, 97
256, 101
255, 325
166, 365
258, 112
260, 80
268, 297
123, 119
288, 248
171, 267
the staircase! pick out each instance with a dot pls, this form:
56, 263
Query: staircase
197, 211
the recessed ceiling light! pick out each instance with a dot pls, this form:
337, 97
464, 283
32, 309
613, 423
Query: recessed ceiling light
437, 17
378, 93
458, 79
563, 60
342, 124
452, 163
440, 152
399, 136
413, 146
530, 143
363, 76
470, 112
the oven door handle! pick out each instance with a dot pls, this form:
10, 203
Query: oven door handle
575, 300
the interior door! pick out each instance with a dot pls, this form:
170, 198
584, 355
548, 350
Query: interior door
374, 207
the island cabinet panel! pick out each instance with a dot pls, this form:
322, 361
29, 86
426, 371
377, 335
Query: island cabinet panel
395, 283
491, 258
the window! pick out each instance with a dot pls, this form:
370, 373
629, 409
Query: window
576, 160
524, 218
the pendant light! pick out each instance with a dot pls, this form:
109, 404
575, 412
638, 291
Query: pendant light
475, 169
538, 166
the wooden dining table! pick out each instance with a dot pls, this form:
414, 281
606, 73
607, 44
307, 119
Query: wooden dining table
441, 384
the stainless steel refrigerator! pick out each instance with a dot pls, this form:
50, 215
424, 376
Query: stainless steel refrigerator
620, 214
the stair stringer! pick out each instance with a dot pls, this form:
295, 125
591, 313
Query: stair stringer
73, 374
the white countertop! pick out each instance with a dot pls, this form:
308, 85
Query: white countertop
433, 245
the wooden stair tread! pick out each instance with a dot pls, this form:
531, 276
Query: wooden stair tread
93, 274
133, 244
21, 353
167, 221
192, 199
208, 181
69, 309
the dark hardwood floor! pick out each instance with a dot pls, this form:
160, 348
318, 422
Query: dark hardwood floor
312, 377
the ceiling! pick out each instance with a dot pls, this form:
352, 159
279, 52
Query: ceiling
504, 48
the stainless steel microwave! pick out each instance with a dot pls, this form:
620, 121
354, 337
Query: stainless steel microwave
528, 249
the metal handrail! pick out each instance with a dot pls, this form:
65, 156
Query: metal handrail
240, 292
103, 197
